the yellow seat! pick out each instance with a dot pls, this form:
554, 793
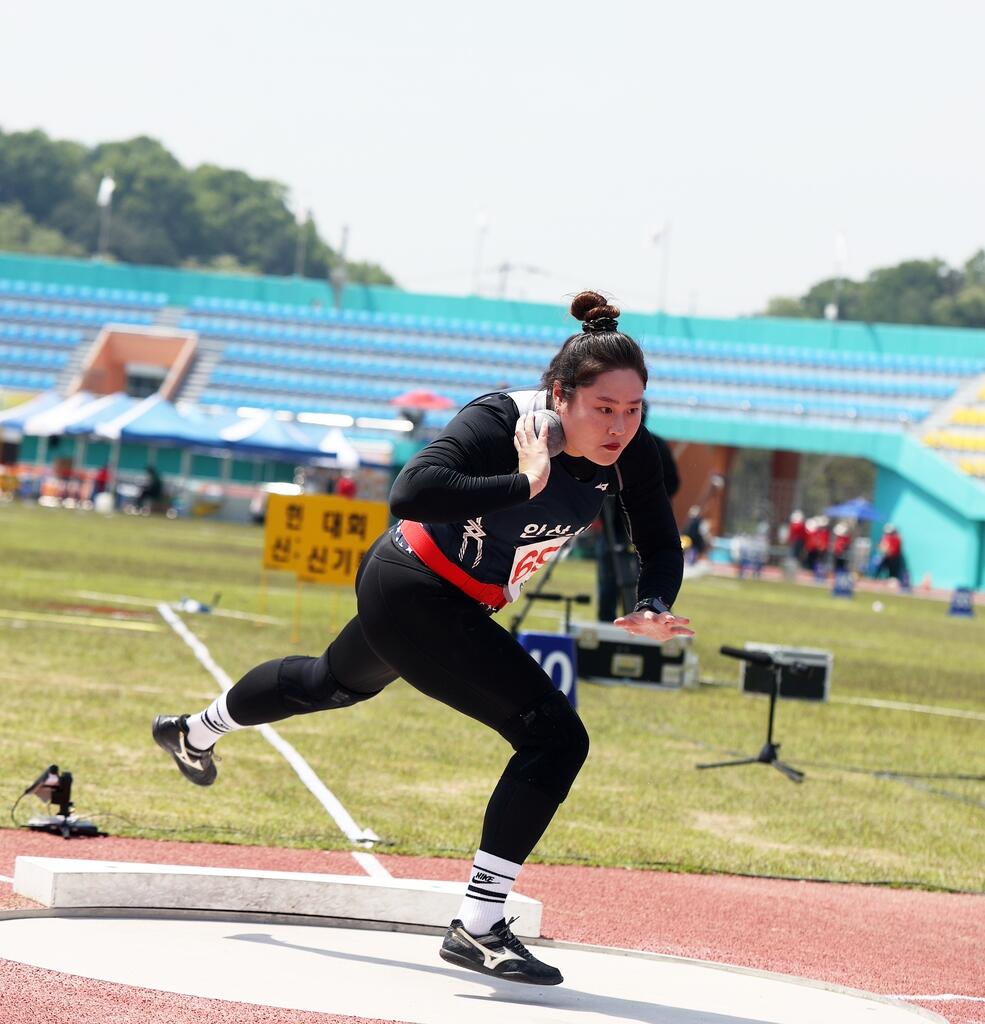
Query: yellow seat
969, 417
956, 441
973, 466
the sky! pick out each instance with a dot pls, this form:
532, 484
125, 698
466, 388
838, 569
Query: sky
701, 156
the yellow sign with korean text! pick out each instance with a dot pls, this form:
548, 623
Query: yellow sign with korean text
320, 537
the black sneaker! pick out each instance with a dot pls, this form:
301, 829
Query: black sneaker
499, 953
170, 733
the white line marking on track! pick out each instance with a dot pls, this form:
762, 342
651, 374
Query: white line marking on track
318, 789
946, 998
896, 705
151, 602
5, 878
79, 620
116, 598
370, 865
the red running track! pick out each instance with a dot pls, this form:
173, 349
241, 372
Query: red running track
888, 941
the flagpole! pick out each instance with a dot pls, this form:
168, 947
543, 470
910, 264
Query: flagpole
104, 200
664, 274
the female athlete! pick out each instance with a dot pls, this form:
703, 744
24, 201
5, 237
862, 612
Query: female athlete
480, 509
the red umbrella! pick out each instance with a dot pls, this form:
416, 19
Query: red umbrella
422, 399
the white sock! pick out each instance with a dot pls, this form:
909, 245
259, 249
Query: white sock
490, 883
208, 725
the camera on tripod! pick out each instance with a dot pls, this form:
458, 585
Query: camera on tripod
54, 787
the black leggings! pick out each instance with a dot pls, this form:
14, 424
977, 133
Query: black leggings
413, 624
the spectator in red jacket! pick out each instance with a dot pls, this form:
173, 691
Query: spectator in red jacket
345, 486
890, 554
796, 535
816, 543
841, 547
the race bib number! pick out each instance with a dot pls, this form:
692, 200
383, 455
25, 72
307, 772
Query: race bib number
528, 560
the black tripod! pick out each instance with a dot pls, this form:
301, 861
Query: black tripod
768, 755
618, 558
54, 788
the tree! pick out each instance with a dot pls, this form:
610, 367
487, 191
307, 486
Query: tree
974, 270
242, 217
19, 233
912, 292
36, 172
839, 292
906, 293
786, 306
966, 309
361, 272
154, 214
162, 212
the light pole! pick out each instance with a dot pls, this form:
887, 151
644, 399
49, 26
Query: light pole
302, 218
833, 309
481, 230
337, 275
662, 238
104, 200
505, 269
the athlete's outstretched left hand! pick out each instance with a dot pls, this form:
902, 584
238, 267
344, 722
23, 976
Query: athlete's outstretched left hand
657, 626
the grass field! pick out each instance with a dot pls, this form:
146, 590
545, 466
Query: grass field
418, 774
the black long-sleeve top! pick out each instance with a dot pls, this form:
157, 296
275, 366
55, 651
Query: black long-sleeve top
465, 488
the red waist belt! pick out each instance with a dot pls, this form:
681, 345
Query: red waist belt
423, 545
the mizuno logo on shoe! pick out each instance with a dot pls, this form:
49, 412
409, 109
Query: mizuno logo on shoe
490, 960
480, 877
601, 487
186, 755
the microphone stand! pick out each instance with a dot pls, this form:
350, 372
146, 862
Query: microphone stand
768, 754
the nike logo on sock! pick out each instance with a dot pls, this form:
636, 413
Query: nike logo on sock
484, 878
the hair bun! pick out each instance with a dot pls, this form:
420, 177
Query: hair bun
595, 313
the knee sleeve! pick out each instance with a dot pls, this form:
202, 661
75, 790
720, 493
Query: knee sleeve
307, 684
551, 745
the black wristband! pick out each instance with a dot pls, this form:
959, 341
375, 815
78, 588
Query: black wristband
651, 604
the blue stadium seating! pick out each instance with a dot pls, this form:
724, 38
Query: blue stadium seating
12, 355
887, 362
51, 336
26, 380
87, 316
82, 293
278, 355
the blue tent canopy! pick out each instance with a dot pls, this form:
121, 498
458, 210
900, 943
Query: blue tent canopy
155, 420
266, 435
856, 508
101, 409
